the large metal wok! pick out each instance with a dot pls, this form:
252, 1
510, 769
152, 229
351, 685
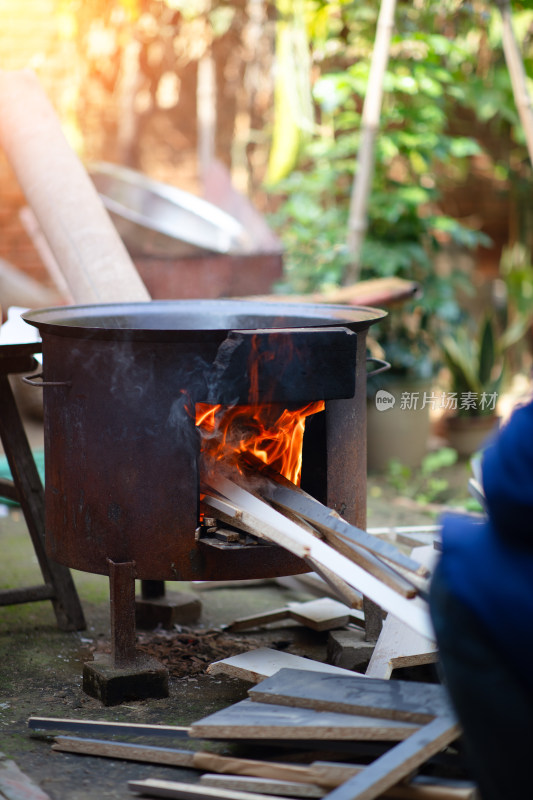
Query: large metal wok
193, 320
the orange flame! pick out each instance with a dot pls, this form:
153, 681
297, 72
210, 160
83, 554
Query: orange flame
272, 436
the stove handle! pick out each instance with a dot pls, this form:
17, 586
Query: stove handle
384, 366
34, 382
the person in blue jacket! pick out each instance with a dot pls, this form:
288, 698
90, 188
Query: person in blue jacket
481, 603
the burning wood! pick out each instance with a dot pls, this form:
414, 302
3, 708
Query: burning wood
252, 459
262, 526
220, 492
291, 499
273, 435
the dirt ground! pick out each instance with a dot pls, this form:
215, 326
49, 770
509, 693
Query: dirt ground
41, 666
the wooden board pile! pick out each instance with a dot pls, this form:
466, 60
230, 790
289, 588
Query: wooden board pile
402, 723
344, 736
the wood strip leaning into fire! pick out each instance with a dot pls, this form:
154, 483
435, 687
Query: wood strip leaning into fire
274, 526
291, 499
398, 571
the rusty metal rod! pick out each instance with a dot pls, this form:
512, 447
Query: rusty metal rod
122, 597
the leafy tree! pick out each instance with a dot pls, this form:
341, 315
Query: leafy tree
445, 58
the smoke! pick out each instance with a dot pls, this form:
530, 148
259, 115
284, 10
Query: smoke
181, 422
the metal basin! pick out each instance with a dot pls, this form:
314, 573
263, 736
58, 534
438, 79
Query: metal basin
157, 220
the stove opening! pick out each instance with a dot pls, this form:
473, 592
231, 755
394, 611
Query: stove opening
270, 433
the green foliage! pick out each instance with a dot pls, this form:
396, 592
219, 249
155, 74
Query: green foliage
437, 86
475, 361
426, 484
476, 352
516, 270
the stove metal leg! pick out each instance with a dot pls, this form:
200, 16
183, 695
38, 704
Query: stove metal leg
122, 598
126, 674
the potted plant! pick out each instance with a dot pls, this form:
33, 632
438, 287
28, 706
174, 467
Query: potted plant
399, 429
474, 359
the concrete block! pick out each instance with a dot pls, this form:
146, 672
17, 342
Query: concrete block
174, 608
349, 650
144, 678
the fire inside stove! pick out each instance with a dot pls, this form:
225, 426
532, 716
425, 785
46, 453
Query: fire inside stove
272, 435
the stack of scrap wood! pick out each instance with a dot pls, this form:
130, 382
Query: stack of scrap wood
345, 737
342, 735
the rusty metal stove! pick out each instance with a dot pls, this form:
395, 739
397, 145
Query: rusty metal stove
122, 450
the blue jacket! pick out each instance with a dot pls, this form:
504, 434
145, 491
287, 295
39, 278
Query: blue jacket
488, 564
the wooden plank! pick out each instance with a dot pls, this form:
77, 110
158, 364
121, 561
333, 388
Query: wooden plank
103, 726
297, 499
323, 614
413, 612
398, 645
236, 515
227, 512
274, 786
227, 788
400, 530
84, 241
401, 580
419, 788
330, 774
249, 720
335, 586
256, 665
252, 768
291, 498
321, 775
398, 579
426, 555
15, 785
398, 762
186, 791
315, 583
320, 615
256, 620
182, 758
417, 538
411, 701
232, 514
125, 751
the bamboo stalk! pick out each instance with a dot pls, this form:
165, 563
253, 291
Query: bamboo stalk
517, 74
362, 183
